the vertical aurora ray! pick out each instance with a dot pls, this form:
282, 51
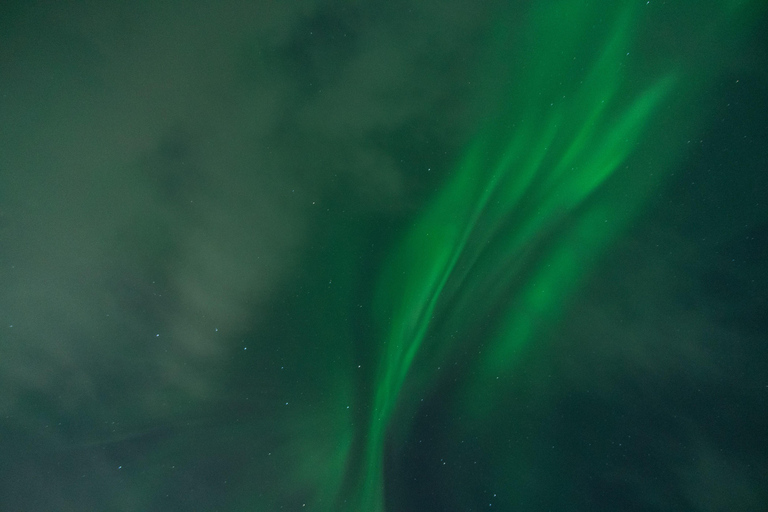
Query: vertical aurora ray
583, 135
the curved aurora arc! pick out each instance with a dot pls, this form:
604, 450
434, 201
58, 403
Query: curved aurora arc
538, 196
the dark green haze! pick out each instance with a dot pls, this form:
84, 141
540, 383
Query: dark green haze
383, 257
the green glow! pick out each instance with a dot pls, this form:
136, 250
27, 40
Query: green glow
229, 281
540, 193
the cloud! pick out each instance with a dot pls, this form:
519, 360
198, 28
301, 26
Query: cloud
163, 172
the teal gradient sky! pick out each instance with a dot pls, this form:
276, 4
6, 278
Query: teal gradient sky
383, 257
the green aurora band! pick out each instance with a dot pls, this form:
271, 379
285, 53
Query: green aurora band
595, 117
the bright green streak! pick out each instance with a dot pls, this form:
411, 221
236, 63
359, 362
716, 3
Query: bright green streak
529, 209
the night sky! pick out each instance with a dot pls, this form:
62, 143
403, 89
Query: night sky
387, 256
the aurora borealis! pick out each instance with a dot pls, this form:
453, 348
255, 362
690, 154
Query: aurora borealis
383, 257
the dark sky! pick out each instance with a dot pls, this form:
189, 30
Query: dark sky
385, 256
